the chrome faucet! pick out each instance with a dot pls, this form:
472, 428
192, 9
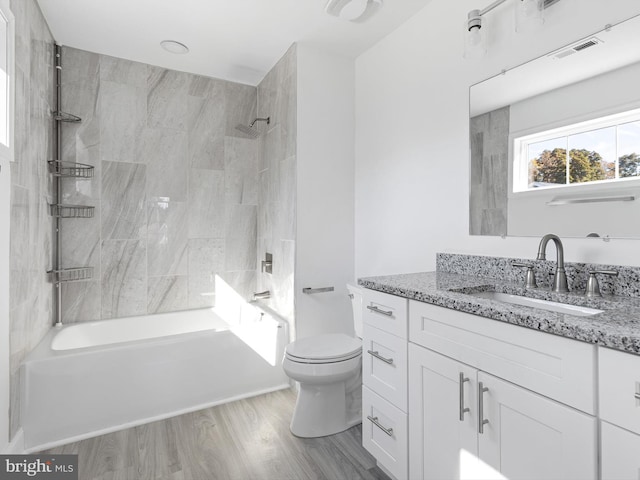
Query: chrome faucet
560, 277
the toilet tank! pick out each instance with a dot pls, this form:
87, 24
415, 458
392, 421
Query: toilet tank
355, 293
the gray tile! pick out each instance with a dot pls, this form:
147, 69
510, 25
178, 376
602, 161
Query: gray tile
202, 291
167, 294
80, 243
124, 279
123, 71
207, 87
241, 171
123, 110
167, 98
206, 204
167, 238
165, 152
206, 256
240, 246
79, 65
241, 102
206, 124
123, 200
81, 301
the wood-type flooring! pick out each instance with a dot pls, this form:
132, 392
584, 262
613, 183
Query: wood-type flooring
243, 440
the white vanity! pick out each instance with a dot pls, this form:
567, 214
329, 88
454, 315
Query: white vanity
449, 394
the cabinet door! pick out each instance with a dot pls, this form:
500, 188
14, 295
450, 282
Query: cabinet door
442, 435
533, 437
620, 453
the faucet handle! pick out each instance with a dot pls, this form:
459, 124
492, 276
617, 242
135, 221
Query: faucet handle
593, 287
530, 278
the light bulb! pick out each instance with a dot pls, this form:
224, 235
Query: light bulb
475, 37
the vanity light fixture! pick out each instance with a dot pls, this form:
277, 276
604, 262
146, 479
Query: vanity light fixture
528, 15
173, 46
352, 10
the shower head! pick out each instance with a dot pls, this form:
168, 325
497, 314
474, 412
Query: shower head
249, 130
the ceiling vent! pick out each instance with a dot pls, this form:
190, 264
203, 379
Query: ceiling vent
578, 47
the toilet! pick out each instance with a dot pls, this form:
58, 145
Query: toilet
328, 369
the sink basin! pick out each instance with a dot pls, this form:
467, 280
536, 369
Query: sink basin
537, 303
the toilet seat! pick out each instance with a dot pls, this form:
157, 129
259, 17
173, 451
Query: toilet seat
328, 348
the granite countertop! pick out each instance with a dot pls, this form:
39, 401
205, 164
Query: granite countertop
617, 327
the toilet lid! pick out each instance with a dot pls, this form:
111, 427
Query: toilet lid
331, 347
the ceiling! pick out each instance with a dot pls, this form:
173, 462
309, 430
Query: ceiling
237, 40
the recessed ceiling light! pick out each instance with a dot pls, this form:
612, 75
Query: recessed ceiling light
174, 47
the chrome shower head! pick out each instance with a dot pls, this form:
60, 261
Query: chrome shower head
249, 130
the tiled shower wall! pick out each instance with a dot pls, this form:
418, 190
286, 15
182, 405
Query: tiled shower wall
277, 95
31, 226
175, 187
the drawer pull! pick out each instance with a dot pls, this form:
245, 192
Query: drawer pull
374, 420
463, 409
380, 357
373, 308
481, 420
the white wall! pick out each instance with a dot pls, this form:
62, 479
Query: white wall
412, 140
325, 178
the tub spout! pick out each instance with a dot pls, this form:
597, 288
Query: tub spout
261, 295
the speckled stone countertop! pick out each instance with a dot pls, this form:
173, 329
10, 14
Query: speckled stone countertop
618, 326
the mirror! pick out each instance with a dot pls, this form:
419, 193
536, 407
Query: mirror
594, 79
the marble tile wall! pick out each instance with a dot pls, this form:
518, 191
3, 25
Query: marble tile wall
175, 188
277, 182
489, 146
31, 293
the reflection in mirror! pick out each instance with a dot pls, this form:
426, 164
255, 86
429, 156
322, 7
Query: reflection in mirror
555, 143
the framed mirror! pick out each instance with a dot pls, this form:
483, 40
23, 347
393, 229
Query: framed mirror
555, 142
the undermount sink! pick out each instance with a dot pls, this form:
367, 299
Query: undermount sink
538, 303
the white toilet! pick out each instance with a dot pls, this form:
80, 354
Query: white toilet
329, 370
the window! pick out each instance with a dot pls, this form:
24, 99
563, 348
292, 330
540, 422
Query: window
603, 150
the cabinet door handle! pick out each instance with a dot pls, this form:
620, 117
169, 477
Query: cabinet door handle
373, 308
481, 420
637, 395
380, 357
463, 409
374, 420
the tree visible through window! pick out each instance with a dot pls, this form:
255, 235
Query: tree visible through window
583, 155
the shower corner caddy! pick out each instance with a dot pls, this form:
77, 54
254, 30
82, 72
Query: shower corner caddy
61, 169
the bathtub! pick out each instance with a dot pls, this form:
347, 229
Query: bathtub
92, 378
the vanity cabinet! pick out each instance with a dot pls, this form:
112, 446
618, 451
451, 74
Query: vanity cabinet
522, 435
384, 378
619, 376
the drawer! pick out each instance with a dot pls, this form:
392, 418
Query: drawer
619, 453
556, 367
386, 312
619, 376
384, 365
384, 433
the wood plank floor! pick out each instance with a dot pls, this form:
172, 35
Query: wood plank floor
246, 439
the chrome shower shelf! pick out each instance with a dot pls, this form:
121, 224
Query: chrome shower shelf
71, 211
70, 169
71, 274
66, 117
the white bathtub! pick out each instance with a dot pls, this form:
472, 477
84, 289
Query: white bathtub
92, 378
